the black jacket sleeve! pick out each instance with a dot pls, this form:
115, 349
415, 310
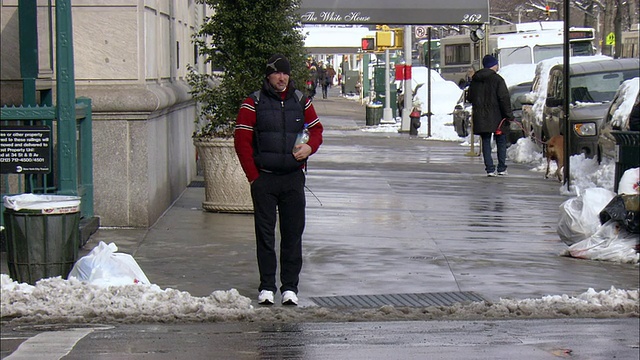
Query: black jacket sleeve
504, 100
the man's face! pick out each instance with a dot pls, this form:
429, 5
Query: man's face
278, 81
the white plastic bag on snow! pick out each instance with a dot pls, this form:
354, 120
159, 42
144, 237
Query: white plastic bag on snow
105, 267
579, 216
630, 182
610, 243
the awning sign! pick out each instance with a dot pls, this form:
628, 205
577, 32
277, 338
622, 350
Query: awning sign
399, 12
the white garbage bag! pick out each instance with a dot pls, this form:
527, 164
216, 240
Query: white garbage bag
610, 243
105, 267
630, 182
579, 216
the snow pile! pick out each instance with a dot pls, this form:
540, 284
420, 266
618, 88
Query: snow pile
516, 74
56, 299
590, 302
71, 301
620, 117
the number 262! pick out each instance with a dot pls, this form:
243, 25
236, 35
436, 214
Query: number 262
471, 18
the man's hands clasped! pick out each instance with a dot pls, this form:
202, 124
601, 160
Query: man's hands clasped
301, 152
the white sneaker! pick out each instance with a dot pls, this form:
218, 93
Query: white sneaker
265, 297
492, 174
503, 173
289, 298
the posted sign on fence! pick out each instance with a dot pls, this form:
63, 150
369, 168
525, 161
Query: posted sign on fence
25, 150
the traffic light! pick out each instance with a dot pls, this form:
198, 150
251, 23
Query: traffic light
385, 38
368, 44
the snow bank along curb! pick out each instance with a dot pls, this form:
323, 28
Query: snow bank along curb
56, 300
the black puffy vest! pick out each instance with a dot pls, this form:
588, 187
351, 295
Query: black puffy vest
278, 122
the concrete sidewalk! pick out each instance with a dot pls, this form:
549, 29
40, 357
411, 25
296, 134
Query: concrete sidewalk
388, 215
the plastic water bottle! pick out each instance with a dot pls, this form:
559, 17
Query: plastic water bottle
303, 136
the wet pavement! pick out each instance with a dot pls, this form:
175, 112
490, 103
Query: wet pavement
508, 339
386, 214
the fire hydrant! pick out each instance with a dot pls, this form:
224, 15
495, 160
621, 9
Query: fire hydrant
415, 121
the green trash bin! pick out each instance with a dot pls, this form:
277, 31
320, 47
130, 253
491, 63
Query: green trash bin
42, 235
374, 114
628, 153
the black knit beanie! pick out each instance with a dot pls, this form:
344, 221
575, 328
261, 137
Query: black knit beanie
489, 61
278, 63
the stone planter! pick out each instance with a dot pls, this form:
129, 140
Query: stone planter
226, 186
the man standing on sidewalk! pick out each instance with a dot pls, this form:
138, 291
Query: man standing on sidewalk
267, 125
491, 113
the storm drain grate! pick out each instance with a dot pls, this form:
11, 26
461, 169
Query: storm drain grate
398, 300
196, 183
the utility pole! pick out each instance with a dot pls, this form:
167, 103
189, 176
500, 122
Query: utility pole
408, 91
387, 112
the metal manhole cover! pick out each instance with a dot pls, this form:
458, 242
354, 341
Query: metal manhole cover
398, 300
196, 183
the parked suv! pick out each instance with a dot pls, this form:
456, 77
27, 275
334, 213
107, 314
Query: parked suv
533, 102
593, 86
516, 128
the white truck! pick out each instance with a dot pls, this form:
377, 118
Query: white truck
526, 43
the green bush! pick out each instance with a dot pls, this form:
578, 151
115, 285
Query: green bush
238, 39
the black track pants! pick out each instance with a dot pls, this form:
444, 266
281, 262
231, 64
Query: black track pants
284, 195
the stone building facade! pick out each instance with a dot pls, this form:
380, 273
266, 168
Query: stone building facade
131, 60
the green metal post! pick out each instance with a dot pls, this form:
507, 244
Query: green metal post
366, 81
86, 159
65, 91
28, 33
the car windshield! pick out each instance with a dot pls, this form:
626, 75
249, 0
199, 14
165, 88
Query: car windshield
598, 87
543, 52
584, 48
518, 55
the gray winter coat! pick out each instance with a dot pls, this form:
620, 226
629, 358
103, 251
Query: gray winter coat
489, 96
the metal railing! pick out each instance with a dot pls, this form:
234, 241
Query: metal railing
72, 166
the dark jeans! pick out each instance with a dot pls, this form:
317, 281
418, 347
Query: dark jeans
325, 87
501, 144
282, 195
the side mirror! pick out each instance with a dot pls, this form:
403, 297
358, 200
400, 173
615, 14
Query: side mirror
554, 102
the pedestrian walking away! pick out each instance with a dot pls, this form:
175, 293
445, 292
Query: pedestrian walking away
491, 113
267, 127
331, 72
323, 79
310, 86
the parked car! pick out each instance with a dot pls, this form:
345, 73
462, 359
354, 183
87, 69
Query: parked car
462, 113
462, 116
533, 102
517, 129
593, 86
617, 117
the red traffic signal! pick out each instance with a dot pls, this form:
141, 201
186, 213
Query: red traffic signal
368, 44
